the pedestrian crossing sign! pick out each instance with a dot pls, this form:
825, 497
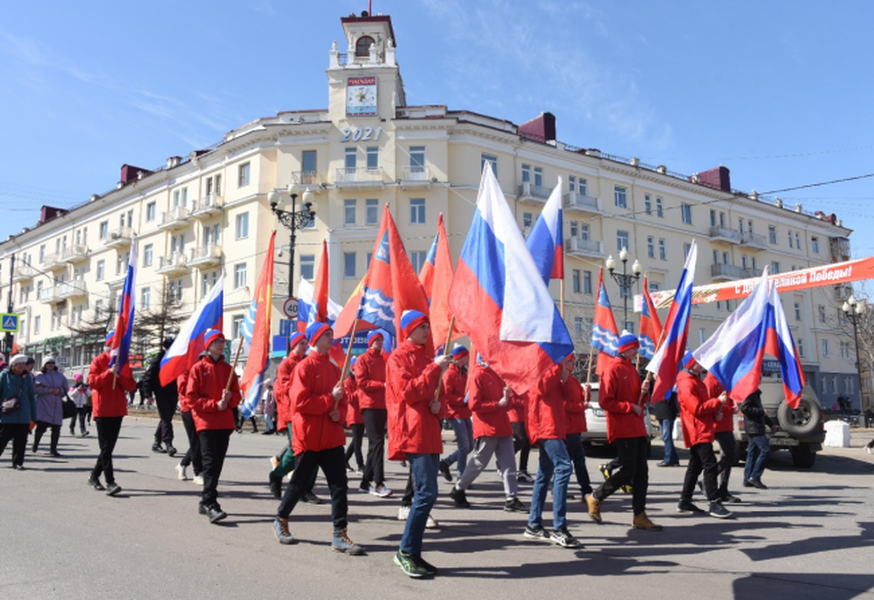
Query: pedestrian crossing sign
9, 322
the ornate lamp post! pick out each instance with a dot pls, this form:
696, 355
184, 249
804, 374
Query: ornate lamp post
293, 220
624, 279
854, 310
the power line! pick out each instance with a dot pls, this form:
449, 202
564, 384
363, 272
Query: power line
810, 185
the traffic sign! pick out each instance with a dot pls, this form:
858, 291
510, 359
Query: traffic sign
9, 322
289, 307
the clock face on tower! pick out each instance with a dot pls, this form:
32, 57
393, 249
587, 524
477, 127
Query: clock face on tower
361, 97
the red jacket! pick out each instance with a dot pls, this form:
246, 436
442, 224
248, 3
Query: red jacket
311, 400
574, 399
371, 378
280, 389
696, 410
519, 409
452, 393
714, 389
182, 386
546, 416
410, 389
109, 402
486, 390
353, 410
619, 392
207, 379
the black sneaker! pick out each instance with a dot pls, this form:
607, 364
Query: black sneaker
718, 511
514, 505
275, 487
311, 498
202, 509
215, 513
409, 565
444, 470
158, 448
727, 497
95, 483
459, 497
687, 507
757, 483
171, 451
562, 537
606, 471
113, 489
430, 569
536, 533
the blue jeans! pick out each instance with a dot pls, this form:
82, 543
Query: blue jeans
554, 459
758, 451
423, 468
666, 427
463, 429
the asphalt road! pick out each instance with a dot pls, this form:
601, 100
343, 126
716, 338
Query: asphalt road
810, 535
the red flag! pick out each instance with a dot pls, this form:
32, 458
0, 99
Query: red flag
440, 284
650, 324
605, 336
259, 350
320, 295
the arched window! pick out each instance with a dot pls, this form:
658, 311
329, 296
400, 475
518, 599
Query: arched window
362, 46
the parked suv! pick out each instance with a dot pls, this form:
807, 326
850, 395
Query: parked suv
799, 430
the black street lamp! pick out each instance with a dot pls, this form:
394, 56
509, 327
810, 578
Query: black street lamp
624, 279
293, 220
854, 310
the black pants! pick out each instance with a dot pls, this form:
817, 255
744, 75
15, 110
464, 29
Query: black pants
355, 445
728, 452
409, 491
374, 425
333, 464
634, 470
81, 413
521, 444
41, 427
17, 432
108, 429
193, 456
214, 448
166, 410
701, 458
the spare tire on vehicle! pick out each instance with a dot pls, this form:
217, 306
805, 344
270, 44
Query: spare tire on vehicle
801, 421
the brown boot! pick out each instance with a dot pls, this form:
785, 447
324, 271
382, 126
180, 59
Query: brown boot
594, 507
641, 521
280, 530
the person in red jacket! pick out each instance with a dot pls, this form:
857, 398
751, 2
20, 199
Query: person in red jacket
354, 421
193, 456
620, 396
317, 401
576, 399
490, 400
109, 387
521, 443
452, 396
725, 436
698, 416
370, 375
547, 426
414, 433
212, 401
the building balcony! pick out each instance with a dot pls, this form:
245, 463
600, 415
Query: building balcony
50, 294
119, 238
722, 272
415, 177
583, 248
206, 207
23, 273
306, 180
174, 219
360, 178
71, 289
53, 262
175, 264
533, 194
582, 203
74, 254
754, 240
724, 234
205, 257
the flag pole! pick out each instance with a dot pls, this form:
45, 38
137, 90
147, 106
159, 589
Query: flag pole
648, 377
345, 371
591, 356
445, 353
234, 367
561, 297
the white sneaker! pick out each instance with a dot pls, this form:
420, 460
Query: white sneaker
180, 472
870, 449
403, 513
380, 491
198, 480
431, 523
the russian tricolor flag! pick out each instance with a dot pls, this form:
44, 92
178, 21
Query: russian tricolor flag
188, 345
545, 241
124, 325
500, 299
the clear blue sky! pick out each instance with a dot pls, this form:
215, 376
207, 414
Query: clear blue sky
780, 92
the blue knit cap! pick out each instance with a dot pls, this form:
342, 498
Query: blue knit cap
210, 336
412, 319
315, 331
628, 341
374, 334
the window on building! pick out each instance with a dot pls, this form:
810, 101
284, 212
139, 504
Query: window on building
798, 240
239, 275
243, 175
102, 232
686, 211
180, 198
417, 159
350, 207
716, 257
583, 189
527, 220
237, 326
492, 160
175, 291
101, 270
587, 282
372, 157
308, 166
362, 45
578, 328
663, 251
584, 231
571, 184
37, 324
371, 212
713, 218
622, 241
660, 212
725, 258
350, 160
417, 211
650, 246
526, 173
797, 307
799, 343
772, 235
775, 267
702, 335
308, 266
845, 350
620, 197
367, 261
538, 176
145, 297
207, 280
686, 249
825, 348
577, 284
241, 230
821, 312
148, 255
98, 310
349, 265
150, 212
789, 233
417, 259
814, 245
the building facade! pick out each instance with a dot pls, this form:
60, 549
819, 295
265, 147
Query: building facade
369, 149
